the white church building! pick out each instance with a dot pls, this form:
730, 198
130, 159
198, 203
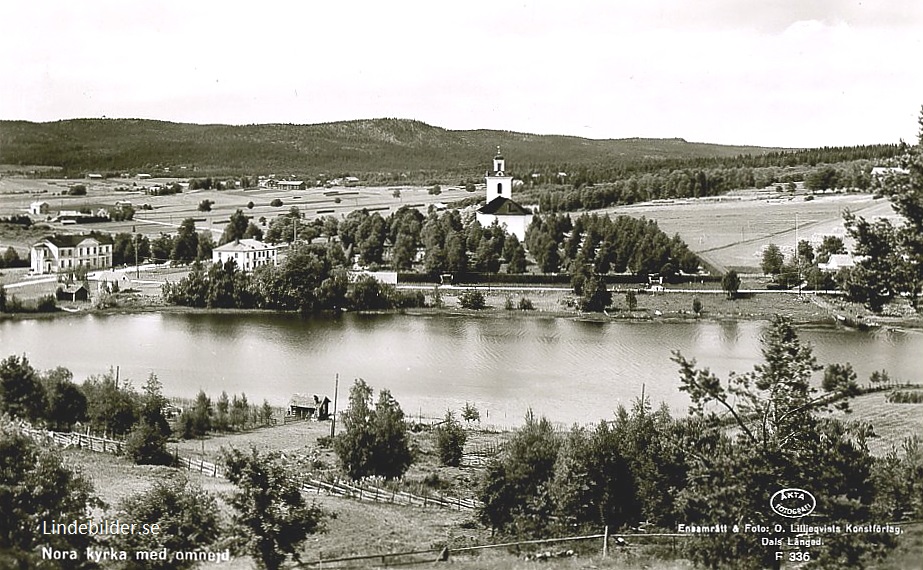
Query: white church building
500, 205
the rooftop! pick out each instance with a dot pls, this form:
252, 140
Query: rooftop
245, 245
501, 206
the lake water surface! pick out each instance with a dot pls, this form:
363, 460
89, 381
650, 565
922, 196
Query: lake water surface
568, 370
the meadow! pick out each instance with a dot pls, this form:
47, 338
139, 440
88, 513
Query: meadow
731, 231
167, 212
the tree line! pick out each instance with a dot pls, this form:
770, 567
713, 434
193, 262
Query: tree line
589, 190
598, 244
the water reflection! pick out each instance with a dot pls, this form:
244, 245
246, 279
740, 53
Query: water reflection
569, 370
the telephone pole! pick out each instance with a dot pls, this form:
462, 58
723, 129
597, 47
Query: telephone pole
336, 391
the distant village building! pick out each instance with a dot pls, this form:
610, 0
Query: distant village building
881, 171
386, 277
112, 281
67, 252
39, 208
839, 261
291, 184
95, 176
309, 407
247, 253
501, 207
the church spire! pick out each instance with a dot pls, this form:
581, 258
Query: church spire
498, 183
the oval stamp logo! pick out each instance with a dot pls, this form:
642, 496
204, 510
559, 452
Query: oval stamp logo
793, 503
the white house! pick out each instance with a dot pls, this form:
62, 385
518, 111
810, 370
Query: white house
247, 253
839, 261
39, 208
501, 207
67, 252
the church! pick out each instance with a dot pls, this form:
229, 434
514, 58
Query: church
500, 205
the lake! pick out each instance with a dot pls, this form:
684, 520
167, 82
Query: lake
567, 369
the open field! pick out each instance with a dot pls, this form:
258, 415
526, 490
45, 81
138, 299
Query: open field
168, 212
731, 231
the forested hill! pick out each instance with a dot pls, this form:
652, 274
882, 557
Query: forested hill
350, 147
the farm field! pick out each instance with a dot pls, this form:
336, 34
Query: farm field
730, 232
167, 212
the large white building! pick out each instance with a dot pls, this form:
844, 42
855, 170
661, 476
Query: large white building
247, 253
500, 206
68, 252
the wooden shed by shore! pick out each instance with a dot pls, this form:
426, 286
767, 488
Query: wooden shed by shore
309, 407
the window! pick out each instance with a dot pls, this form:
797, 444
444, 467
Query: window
499, 187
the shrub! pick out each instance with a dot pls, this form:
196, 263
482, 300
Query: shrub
271, 517
906, 397
276, 203
145, 445
470, 413
515, 492
472, 299
450, 441
46, 304
525, 304
77, 190
186, 515
37, 486
206, 205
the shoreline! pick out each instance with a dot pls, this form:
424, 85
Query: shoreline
660, 309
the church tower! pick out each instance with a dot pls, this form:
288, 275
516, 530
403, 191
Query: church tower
499, 185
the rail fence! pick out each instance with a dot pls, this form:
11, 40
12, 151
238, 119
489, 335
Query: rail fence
360, 490
74, 439
622, 542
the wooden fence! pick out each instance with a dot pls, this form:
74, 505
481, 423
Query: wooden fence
73, 439
361, 490
623, 541
365, 491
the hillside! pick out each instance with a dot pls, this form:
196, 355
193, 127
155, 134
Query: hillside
356, 147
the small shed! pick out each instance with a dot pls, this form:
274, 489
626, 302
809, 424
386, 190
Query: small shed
39, 208
113, 281
309, 407
73, 293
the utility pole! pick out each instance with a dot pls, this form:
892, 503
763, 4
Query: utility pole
137, 243
336, 391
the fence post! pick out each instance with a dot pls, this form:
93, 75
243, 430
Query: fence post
606, 542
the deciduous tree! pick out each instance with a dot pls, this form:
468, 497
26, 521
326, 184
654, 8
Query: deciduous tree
271, 516
374, 441
37, 487
21, 394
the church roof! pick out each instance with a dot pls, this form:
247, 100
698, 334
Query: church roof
501, 206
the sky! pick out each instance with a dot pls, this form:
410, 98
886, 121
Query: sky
788, 73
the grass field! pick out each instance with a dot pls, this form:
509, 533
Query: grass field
16, 193
731, 231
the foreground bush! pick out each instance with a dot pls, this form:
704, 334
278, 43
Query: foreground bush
271, 518
187, 517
